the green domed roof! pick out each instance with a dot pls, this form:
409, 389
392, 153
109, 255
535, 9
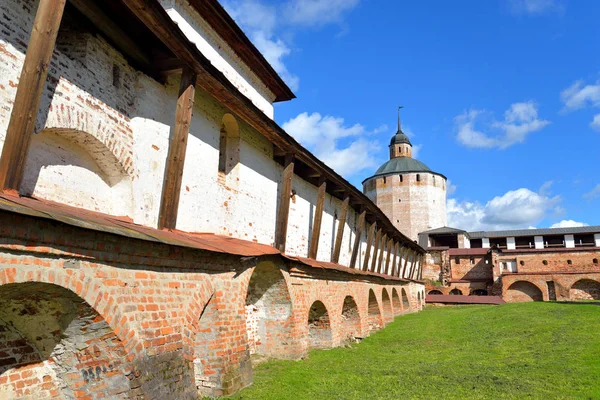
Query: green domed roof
400, 165
399, 137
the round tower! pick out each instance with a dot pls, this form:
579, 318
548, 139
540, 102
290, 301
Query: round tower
411, 195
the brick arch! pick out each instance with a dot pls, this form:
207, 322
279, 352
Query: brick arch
88, 290
386, 305
521, 291
351, 319
320, 327
405, 301
193, 312
92, 345
585, 289
269, 310
111, 132
374, 315
396, 302
435, 291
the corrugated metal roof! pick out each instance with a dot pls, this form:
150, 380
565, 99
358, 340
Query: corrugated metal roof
534, 232
125, 227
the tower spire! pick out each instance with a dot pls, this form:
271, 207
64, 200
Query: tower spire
399, 107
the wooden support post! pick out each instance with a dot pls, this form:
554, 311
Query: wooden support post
370, 236
395, 260
359, 231
386, 270
413, 264
380, 261
284, 203
420, 275
29, 92
376, 250
167, 218
400, 263
335, 256
406, 255
316, 229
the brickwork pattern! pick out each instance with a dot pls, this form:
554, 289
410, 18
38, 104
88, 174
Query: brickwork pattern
162, 321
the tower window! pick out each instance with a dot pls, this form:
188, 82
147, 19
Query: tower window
434, 181
545, 262
384, 180
418, 177
569, 262
400, 178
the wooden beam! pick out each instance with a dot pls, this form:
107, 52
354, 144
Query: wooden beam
284, 203
167, 218
413, 264
400, 263
113, 32
316, 229
357, 239
335, 257
370, 236
406, 255
386, 270
29, 92
395, 260
376, 250
382, 246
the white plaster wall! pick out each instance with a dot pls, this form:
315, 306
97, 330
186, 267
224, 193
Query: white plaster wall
118, 167
219, 53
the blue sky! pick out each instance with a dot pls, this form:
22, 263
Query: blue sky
502, 97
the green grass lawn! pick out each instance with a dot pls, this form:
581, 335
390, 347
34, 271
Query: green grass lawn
529, 350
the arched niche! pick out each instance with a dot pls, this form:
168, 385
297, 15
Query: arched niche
269, 322
74, 168
319, 327
585, 289
59, 344
374, 316
396, 302
386, 305
351, 326
522, 291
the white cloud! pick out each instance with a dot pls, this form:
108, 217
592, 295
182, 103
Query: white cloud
266, 24
450, 188
595, 124
323, 135
317, 12
536, 6
578, 96
515, 209
520, 120
568, 223
594, 193
416, 149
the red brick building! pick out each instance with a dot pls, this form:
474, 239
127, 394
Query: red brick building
519, 265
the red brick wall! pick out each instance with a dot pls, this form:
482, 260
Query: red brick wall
166, 320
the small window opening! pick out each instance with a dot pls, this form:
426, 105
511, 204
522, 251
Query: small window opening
522, 262
569, 262
384, 180
457, 260
418, 177
222, 151
595, 261
545, 262
472, 260
400, 178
